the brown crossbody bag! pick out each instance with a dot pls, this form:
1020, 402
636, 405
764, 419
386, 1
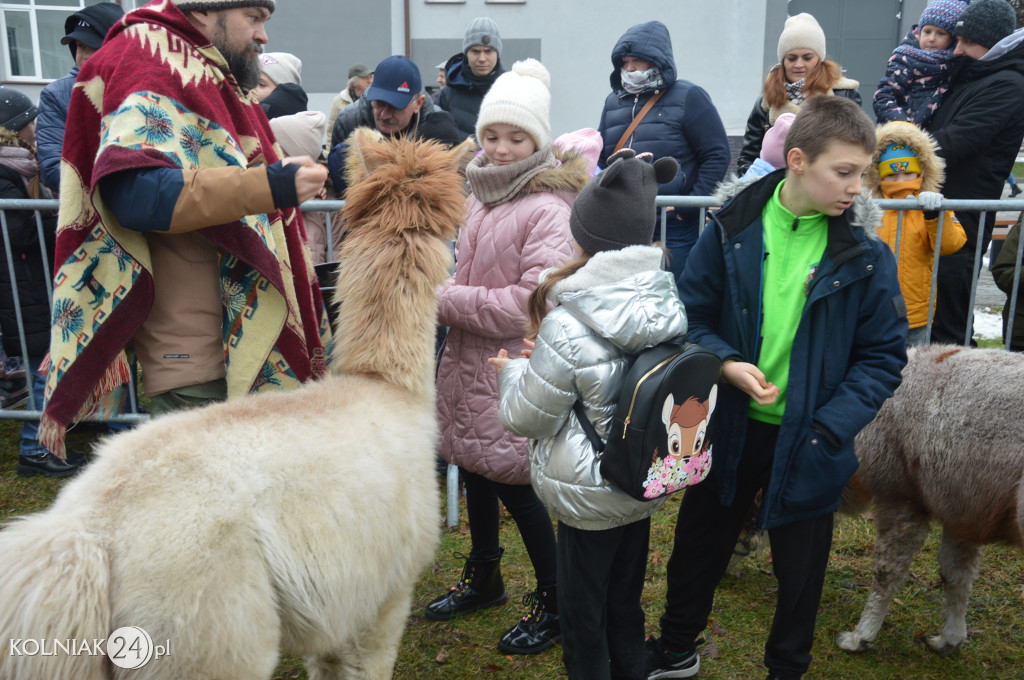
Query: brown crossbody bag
636, 121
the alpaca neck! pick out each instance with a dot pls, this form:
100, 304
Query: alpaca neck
388, 312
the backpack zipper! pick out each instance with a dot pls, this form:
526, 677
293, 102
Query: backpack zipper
636, 390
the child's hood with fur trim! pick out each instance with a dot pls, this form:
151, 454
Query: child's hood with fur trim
933, 168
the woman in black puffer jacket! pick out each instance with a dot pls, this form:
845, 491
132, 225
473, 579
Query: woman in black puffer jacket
802, 72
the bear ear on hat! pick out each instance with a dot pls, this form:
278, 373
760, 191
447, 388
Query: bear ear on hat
614, 167
665, 169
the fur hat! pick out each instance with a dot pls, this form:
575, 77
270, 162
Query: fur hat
773, 147
924, 150
986, 22
282, 67
16, 109
300, 134
204, 5
616, 208
522, 98
802, 31
482, 31
942, 13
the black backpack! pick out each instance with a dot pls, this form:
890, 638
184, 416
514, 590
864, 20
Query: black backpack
658, 442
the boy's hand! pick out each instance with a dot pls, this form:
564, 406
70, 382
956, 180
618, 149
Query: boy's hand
751, 380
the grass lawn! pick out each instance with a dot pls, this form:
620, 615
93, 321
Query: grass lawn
465, 648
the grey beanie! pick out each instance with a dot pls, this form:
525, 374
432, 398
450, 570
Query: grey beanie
616, 208
986, 22
482, 31
16, 109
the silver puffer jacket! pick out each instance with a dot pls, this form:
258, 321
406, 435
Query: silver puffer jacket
614, 307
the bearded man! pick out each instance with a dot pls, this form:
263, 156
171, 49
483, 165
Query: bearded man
179, 236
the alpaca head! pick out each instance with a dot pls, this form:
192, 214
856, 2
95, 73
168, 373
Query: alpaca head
404, 202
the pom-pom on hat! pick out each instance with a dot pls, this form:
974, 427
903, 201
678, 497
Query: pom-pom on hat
482, 31
204, 5
282, 67
897, 158
520, 97
16, 109
942, 13
616, 208
802, 31
773, 148
986, 22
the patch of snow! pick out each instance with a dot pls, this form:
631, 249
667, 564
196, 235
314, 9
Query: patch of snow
987, 324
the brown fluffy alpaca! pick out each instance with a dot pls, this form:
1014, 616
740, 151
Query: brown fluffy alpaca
948, 447
293, 522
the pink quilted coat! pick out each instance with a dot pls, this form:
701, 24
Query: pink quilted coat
499, 256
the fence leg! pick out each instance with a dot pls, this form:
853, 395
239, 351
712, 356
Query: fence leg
453, 495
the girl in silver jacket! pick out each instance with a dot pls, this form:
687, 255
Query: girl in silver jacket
613, 301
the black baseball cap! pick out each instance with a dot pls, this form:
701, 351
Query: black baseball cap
90, 25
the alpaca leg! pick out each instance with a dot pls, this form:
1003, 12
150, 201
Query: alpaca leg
958, 567
372, 656
899, 534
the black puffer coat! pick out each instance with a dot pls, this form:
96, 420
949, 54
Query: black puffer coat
29, 269
462, 95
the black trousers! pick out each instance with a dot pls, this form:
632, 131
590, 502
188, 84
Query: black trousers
529, 513
600, 580
706, 534
953, 312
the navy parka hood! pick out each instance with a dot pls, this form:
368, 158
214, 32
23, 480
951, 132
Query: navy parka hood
650, 42
457, 72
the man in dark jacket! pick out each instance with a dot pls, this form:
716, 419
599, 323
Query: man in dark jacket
979, 127
683, 124
394, 105
469, 75
83, 34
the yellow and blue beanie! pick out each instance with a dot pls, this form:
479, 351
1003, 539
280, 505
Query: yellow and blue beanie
897, 158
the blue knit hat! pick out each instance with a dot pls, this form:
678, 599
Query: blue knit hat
943, 13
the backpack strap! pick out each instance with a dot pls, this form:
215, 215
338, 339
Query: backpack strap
636, 121
588, 427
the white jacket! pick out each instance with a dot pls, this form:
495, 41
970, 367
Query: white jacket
614, 307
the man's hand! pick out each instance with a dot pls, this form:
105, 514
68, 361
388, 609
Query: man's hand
310, 178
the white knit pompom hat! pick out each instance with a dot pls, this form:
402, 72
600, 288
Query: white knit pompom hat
802, 31
522, 98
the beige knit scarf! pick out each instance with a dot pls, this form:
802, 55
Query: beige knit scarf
497, 184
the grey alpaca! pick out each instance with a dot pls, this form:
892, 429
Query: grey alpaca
948, 446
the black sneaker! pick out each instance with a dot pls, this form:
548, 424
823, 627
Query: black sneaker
662, 663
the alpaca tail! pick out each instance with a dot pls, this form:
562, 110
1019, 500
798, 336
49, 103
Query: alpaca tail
54, 600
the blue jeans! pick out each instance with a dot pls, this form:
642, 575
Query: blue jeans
30, 445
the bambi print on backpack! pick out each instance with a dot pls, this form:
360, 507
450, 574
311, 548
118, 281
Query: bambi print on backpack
687, 460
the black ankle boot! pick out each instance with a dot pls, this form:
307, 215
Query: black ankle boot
479, 588
539, 629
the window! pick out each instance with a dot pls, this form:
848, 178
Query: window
30, 33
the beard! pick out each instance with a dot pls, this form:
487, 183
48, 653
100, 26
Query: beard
244, 64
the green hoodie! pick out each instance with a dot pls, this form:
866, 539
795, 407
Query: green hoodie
793, 248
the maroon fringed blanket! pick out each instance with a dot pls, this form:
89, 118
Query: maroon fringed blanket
159, 95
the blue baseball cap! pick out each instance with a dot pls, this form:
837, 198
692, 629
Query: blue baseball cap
396, 80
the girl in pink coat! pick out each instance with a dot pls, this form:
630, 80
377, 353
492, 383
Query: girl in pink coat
517, 225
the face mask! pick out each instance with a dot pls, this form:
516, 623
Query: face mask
638, 81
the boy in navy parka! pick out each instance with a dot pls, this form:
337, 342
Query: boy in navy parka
800, 299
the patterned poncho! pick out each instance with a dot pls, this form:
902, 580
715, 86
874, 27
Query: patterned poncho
158, 95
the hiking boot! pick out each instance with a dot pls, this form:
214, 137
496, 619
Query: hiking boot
662, 663
479, 588
1014, 190
538, 630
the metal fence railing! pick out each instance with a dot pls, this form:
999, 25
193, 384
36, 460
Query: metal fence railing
989, 211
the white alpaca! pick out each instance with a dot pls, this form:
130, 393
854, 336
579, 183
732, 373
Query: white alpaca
291, 522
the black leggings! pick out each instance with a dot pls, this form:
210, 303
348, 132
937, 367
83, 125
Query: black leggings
529, 513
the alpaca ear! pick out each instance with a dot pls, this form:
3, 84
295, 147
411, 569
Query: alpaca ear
463, 154
361, 162
665, 169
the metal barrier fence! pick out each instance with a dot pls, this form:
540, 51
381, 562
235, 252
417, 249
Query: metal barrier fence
988, 210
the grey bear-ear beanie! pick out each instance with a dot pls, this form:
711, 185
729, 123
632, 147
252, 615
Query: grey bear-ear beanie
616, 208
